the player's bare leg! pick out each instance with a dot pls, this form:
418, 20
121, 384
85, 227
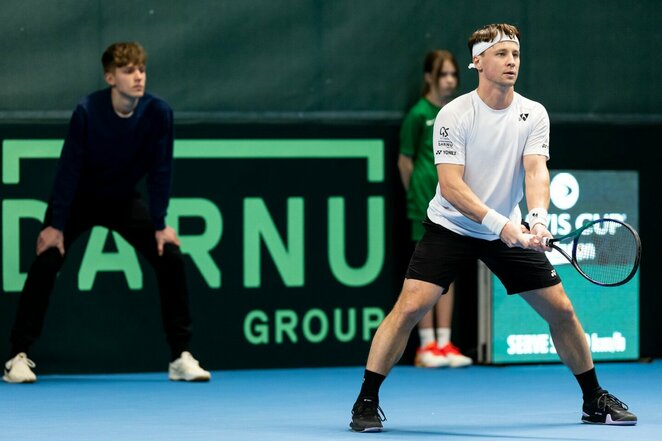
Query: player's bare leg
417, 298
389, 343
600, 407
555, 307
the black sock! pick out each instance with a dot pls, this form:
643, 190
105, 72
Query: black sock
371, 384
588, 381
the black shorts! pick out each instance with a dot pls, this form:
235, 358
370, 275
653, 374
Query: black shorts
441, 252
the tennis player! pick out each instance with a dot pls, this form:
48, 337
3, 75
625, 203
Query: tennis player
487, 144
117, 136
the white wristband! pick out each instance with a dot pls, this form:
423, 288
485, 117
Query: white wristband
495, 221
537, 216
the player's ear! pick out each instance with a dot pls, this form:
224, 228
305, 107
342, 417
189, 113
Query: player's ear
476, 61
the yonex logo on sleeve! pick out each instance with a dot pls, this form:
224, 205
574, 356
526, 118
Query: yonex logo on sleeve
523, 116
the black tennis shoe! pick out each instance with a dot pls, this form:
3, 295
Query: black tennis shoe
607, 409
367, 416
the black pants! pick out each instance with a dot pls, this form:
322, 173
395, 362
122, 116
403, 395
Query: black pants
130, 218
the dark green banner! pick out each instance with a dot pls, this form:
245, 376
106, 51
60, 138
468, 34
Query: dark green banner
286, 243
255, 60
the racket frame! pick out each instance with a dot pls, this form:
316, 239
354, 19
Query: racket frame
573, 259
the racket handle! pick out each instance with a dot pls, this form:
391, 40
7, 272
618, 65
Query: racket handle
547, 241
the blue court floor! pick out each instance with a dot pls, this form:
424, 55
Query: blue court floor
539, 402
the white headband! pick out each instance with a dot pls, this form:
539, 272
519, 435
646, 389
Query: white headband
482, 46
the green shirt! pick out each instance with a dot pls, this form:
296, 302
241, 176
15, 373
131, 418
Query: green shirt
416, 142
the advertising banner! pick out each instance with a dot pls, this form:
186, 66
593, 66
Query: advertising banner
609, 315
285, 244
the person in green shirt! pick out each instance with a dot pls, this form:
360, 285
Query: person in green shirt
419, 177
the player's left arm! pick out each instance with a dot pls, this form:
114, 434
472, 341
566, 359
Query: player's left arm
536, 179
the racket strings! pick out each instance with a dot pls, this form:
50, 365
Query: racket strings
608, 254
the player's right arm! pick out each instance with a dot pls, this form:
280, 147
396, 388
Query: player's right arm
457, 192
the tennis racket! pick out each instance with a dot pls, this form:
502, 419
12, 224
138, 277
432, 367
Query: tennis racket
605, 251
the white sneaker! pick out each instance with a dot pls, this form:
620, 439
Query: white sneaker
187, 368
17, 370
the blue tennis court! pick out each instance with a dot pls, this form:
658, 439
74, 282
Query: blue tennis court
537, 402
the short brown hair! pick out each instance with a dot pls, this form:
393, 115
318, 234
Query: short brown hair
434, 63
122, 54
490, 32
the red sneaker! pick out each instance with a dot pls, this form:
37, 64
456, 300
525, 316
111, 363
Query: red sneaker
454, 356
430, 356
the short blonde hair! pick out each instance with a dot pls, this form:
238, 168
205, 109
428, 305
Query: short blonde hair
122, 54
490, 32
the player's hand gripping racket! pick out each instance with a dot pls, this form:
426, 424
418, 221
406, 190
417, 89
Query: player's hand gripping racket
605, 251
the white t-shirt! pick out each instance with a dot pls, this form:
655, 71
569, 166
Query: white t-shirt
490, 144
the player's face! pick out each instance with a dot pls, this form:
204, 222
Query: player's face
500, 63
447, 81
129, 81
